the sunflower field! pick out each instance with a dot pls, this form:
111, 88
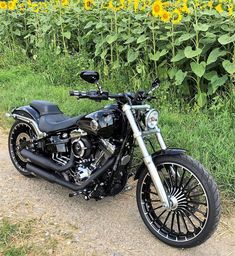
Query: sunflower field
189, 45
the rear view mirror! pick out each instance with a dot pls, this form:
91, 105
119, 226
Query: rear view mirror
91, 77
156, 83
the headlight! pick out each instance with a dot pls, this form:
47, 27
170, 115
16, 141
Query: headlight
151, 119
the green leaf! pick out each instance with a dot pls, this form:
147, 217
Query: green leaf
67, 34
229, 66
198, 68
141, 39
210, 75
130, 40
99, 25
89, 24
179, 56
190, 53
214, 55
171, 72
163, 52
103, 54
226, 39
216, 82
185, 37
179, 77
17, 32
132, 55
157, 55
154, 57
111, 38
201, 99
201, 27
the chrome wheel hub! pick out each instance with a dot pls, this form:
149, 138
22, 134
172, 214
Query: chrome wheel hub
21, 140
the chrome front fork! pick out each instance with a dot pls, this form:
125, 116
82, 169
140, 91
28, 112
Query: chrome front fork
147, 157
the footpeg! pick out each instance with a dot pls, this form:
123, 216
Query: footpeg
73, 194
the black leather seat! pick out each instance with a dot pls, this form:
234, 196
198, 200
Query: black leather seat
45, 107
51, 118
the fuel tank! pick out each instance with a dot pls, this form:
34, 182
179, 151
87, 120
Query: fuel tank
107, 122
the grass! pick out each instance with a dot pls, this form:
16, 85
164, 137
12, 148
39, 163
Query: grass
12, 234
208, 136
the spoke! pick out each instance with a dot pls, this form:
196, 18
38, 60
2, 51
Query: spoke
176, 176
191, 189
191, 221
154, 209
195, 195
197, 202
164, 181
182, 217
182, 179
154, 193
167, 217
178, 222
190, 179
161, 214
194, 216
152, 201
168, 171
172, 221
197, 210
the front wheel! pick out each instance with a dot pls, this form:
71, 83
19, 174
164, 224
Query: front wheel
195, 212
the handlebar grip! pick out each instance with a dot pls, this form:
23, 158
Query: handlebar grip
74, 93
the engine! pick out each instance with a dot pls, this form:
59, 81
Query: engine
89, 153
89, 156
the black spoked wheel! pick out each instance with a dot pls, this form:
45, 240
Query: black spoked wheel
195, 210
20, 137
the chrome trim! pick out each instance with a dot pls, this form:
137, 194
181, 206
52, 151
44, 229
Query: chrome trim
147, 157
139, 107
39, 133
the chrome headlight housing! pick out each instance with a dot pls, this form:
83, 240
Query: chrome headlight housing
151, 119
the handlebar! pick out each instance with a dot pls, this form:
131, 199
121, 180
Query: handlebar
94, 95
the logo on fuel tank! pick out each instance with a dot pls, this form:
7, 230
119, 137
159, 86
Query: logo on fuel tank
94, 125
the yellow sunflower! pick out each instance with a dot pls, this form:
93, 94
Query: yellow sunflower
185, 8
176, 16
88, 4
157, 8
11, 5
165, 16
65, 2
219, 8
3, 5
210, 4
116, 8
230, 10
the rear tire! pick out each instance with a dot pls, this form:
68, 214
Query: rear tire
20, 136
196, 214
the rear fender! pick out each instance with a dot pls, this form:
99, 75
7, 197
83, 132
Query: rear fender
28, 115
25, 111
166, 152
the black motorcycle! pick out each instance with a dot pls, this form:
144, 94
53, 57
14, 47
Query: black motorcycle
92, 155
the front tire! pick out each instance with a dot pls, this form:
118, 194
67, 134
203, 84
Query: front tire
196, 212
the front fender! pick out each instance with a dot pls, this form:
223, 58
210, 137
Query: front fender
166, 152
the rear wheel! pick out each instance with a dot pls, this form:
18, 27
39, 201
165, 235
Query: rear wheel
20, 137
195, 213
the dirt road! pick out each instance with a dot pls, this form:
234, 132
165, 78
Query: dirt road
111, 227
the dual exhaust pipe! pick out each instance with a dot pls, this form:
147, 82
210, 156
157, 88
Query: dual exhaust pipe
41, 166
